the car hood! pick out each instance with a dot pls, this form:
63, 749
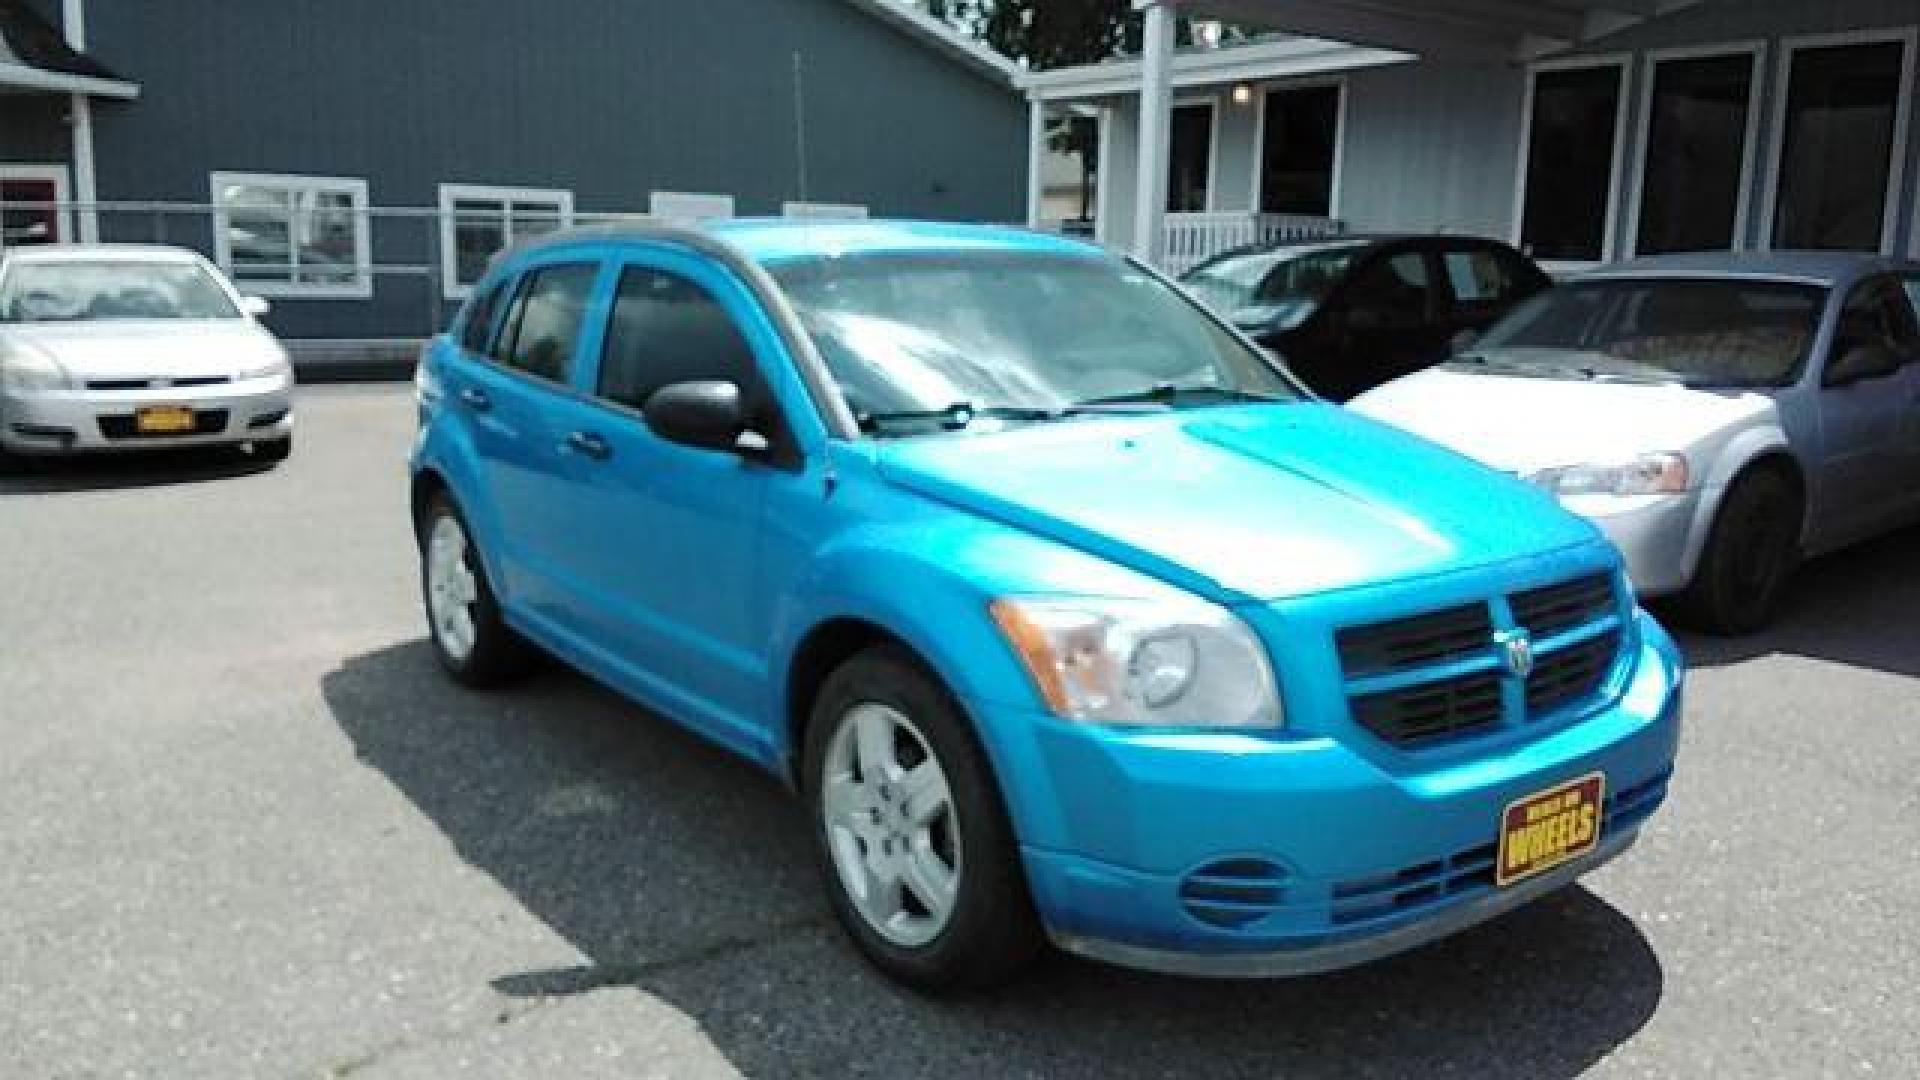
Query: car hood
178, 349
1258, 503
1523, 425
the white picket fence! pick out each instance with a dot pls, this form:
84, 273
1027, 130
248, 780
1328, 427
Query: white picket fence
1192, 239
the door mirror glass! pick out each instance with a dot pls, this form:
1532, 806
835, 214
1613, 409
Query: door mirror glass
256, 306
707, 415
1860, 362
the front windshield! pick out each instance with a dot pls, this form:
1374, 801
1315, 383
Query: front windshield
1713, 333
1266, 279
1014, 338
94, 291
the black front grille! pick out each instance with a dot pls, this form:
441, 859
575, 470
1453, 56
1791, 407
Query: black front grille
1559, 608
209, 380
1434, 638
142, 384
1571, 674
209, 422
117, 384
1434, 710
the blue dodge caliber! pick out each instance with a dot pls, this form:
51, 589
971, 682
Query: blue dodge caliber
1069, 614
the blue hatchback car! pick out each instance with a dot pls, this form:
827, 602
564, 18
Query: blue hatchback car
1069, 614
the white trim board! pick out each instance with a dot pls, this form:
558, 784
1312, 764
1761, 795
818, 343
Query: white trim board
1909, 36
689, 205
1622, 114
355, 188
558, 199
1643, 133
57, 174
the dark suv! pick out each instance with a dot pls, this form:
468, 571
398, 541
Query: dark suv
1351, 314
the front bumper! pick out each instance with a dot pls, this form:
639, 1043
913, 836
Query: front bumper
1656, 540
1245, 856
92, 421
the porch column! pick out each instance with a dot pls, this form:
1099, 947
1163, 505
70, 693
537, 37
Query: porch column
73, 24
1156, 125
1036, 161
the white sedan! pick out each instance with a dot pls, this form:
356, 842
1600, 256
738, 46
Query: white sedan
106, 347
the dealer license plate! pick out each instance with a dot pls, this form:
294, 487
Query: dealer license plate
163, 420
1551, 828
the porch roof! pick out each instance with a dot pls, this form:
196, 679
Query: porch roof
1440, 28
1211, 67
34, 58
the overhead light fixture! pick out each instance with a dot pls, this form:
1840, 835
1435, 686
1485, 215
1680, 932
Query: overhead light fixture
1243, 94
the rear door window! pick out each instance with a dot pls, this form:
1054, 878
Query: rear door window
543, 325
1393, 292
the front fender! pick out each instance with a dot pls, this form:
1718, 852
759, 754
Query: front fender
1734, 458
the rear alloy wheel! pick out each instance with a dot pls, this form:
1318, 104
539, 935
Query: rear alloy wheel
474, 644
921, 865
1749, 558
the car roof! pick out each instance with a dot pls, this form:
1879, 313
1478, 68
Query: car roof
1349, 242
1830, 268
772, 241
101, 253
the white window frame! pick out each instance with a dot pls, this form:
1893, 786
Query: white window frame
689, 205
826, 211
508, 197
1750, 149
1265, 91
1212, 102
56, 174
1908, 36
360, 288
1623, 116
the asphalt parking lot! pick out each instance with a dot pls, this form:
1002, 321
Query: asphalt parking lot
247, 829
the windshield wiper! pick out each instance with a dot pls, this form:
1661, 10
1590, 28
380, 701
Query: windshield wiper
956, 417
1168, 394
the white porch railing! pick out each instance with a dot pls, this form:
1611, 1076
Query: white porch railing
1192, 239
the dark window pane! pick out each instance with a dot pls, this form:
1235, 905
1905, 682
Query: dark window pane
1296, 159
1696, 150
664, 330
1837, 156
1877, 314
1570, 163
547, 318
1190, 163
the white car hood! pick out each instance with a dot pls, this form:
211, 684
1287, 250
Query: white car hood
172, 349
1523, 425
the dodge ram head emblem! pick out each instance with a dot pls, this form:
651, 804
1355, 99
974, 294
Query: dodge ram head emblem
1516, 649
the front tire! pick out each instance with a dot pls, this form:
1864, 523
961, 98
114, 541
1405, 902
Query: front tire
273, 451
473, 642
920, 861
1749, 558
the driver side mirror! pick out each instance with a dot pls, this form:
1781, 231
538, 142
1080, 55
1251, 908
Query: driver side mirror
706, 415
1860, 362
256, 306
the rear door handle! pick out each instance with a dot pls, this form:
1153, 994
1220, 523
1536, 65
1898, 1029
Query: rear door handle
475, 399
589, 445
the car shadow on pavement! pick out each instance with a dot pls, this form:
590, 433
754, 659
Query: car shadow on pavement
107, 472
1860, 607
678, 870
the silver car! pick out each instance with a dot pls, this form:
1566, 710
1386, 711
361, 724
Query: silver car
107, 347
1719, 416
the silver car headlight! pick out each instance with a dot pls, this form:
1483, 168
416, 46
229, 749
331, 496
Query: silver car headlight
28, 372
1143, 663
272, 369
1648, 474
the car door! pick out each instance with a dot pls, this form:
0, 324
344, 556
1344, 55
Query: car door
1866, 424
1383, 323
667, 536
510, 397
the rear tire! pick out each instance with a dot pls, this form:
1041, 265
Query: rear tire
920, 860
1750, 556
473, 642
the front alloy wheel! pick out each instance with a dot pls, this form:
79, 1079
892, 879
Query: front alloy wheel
473, 642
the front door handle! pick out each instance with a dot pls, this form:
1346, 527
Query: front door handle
589, 445
475, 398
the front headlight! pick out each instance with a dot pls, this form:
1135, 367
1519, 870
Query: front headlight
1143, 663
27, 372
1649, 474
272, 369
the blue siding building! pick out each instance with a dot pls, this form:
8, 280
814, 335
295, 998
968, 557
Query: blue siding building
359, 160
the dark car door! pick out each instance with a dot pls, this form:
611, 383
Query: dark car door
1381, 324
1482, 282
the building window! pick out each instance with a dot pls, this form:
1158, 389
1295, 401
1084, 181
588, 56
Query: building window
293, 235
477, 223
1843, 117
1700, 114
1572, 144
1190, 160
1299, 150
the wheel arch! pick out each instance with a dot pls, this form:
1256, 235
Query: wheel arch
1762, 450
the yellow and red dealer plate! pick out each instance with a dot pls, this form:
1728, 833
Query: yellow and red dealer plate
1556, 826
